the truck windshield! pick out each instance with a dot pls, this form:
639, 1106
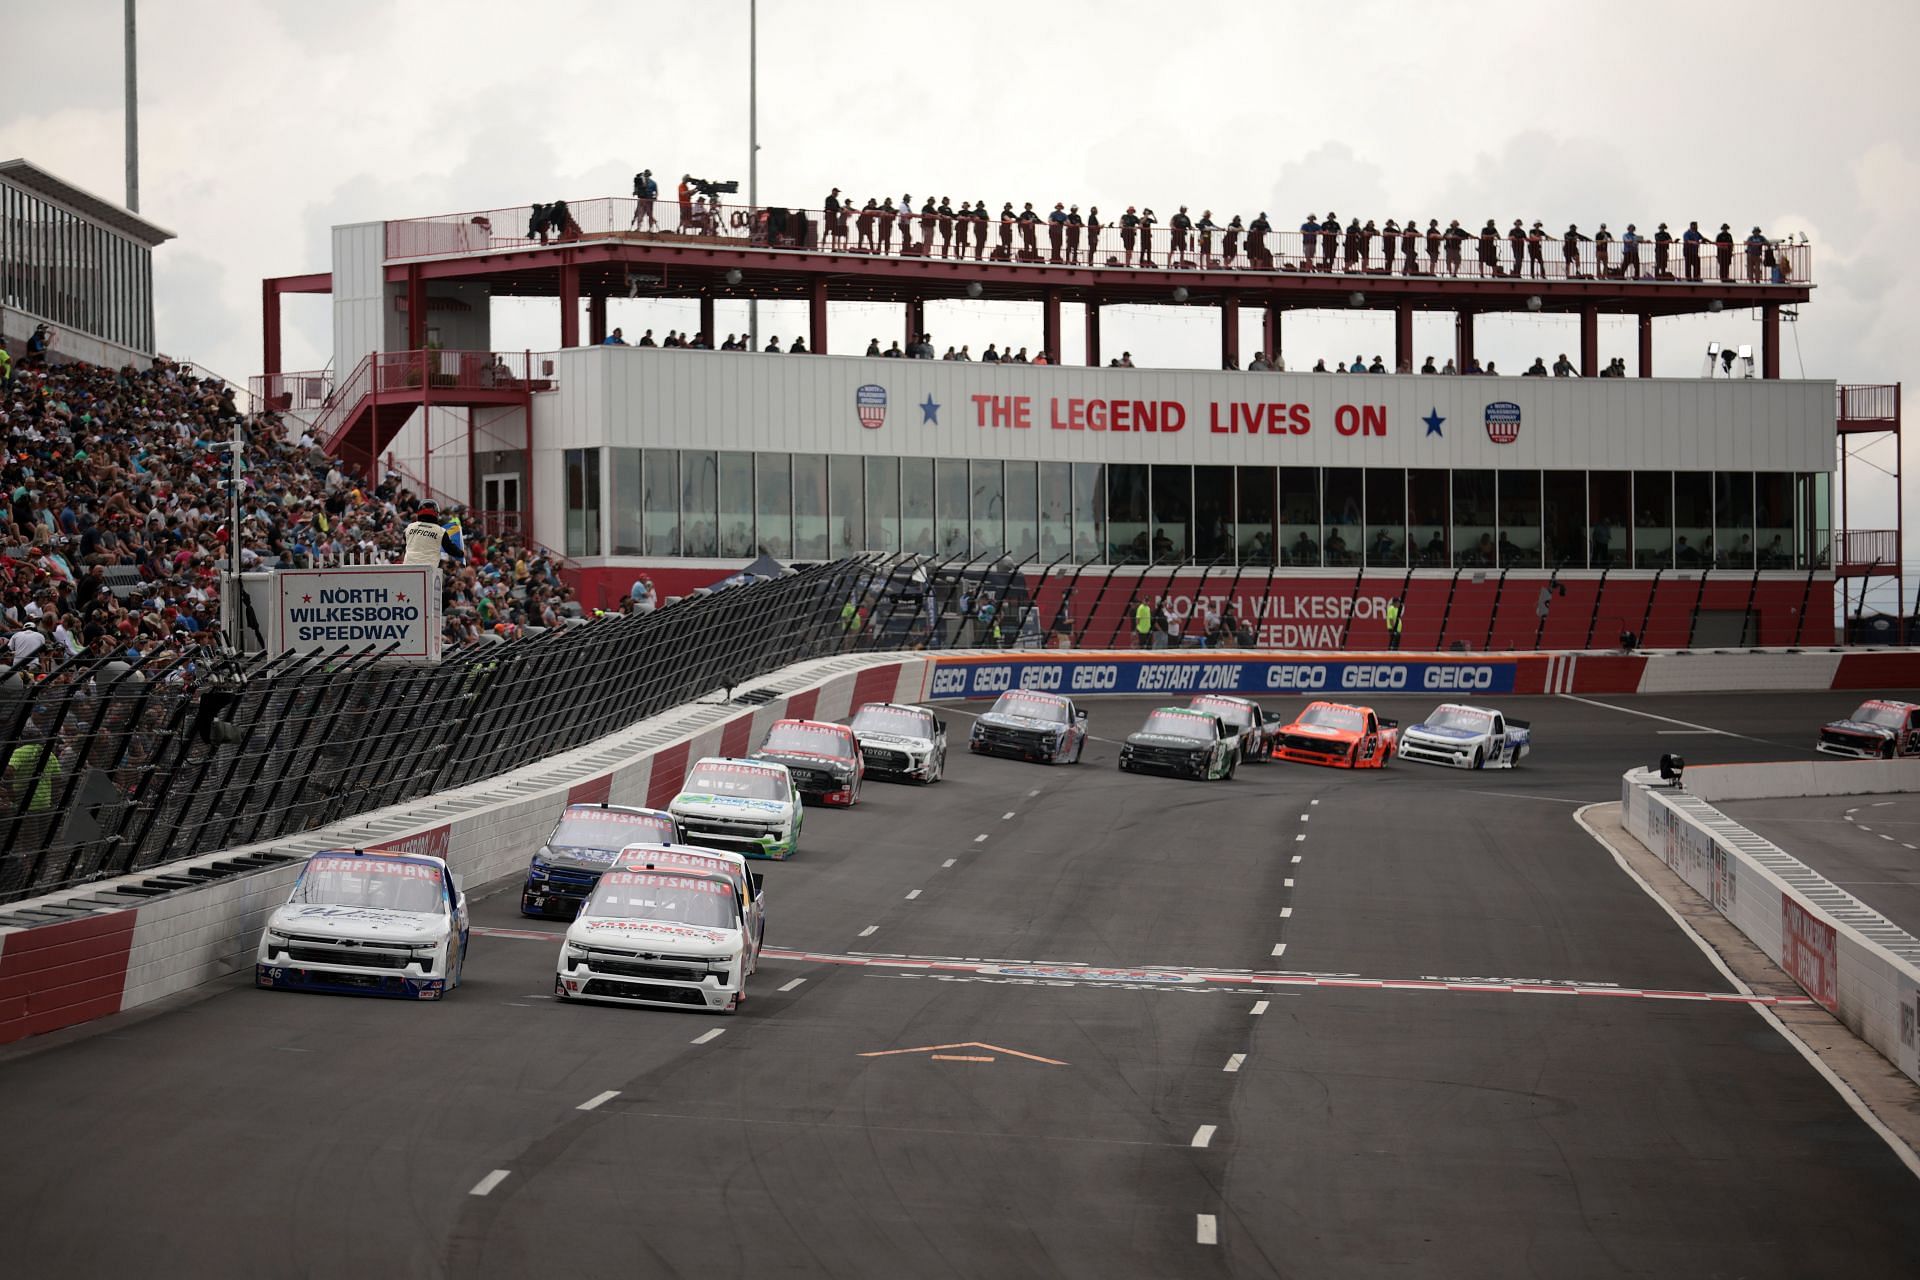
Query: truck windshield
647, 895
610, 829
1331, 717
1179, 724
810, 739
901, 724
1465, 719
1031, 707
745, 781
1237, 714
1885, 717
387, 884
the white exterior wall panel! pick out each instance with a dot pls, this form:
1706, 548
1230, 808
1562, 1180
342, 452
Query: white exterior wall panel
627, 397
359, 294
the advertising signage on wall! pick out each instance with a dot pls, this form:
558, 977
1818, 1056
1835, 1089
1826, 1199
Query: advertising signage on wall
1333, 679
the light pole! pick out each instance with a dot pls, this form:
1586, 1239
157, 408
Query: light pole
753, 150
133, 113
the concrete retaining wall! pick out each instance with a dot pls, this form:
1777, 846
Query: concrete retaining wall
1844, 954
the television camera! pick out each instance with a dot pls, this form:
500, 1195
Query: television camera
711, 189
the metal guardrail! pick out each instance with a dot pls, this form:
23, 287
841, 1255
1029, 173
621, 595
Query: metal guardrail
111, 768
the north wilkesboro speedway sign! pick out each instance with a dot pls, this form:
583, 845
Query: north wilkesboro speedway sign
364, 606
1277, 673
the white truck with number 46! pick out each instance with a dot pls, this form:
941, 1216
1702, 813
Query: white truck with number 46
1467, 738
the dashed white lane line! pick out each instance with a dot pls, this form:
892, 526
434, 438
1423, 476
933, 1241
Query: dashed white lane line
1259, 1007
870, 930
1279, 948
489, 1182
1302, 836
1233, 1063
1203, 1136
1288, 882
598, 1100
1905, 845
914, 894
1296, 857
1005, 816
1881, 804
1886, 837
1864, 827
949, 862
980, 839
1286, 913
1313, 802
1305, 817
1032, 794
791, 985
707, 1036
1206, 1230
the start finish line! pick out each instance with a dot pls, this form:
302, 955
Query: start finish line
359, 607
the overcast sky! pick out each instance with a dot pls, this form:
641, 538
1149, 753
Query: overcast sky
262, 125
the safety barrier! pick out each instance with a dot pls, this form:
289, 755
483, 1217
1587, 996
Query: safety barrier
111, 959
1851, 959
116, 767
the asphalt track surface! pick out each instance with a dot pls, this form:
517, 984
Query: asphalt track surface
1237, 1125
1868, 845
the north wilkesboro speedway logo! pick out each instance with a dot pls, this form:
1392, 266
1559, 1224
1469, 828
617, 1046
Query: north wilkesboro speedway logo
1503, 422
871, 403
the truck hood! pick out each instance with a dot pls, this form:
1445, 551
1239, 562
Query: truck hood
363, 924
1167, 741
1323, 731
1026, 724
1861, 727
705, 806
895, 740
806, 760
661, 935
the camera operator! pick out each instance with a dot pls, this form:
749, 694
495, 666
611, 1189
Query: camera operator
645, 189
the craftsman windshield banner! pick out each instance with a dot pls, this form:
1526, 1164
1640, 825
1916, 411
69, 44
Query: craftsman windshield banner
393, 608
1335, 679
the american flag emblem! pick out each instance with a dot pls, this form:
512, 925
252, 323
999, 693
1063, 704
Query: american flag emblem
1503, 422
871, 402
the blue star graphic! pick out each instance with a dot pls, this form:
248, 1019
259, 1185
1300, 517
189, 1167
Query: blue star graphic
1433, 421
929, 412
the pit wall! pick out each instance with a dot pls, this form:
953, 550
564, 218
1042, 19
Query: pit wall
1849, 958
69, 971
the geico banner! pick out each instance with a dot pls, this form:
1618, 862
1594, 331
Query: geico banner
364, 606
1332, 678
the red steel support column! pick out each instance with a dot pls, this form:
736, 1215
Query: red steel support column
1050, 326
1403, 338
416, 310
269, 328
1589, 342
596, 319
706, 322
817, 319
1463, 339
1230, 333
569, 306
916, 320
1093, 335
1646, 344
1770, 340
1270, 332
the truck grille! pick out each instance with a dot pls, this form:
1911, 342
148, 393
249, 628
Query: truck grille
1318, 746
340, 955
616, 989
1166, 758
886, 758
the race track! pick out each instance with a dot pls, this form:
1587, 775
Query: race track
1244, 1099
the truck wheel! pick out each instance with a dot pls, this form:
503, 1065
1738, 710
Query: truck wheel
1479, 757
1886, 752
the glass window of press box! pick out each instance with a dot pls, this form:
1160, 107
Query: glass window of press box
731, 505
76, 273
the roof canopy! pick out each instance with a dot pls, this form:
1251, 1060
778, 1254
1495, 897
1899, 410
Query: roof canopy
31, 177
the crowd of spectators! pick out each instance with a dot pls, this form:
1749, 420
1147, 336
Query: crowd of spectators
116, 520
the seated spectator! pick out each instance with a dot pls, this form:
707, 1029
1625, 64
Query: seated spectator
1378, 366
1359, 365
1538, 369
1428, 366
1450, 367
1563, 367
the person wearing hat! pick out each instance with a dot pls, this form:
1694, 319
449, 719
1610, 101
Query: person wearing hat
1206, 227
1146, 237
945, 214
1602, 248
1517, 240
1309, 235
1329, 240
1129, 230
1074, 223
427, 541
1723, 250
1630, 251
1756, 247
1029, 221
1456, 238
1093, 233
1662, 253
1536, 246
644, 191
1409, 240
